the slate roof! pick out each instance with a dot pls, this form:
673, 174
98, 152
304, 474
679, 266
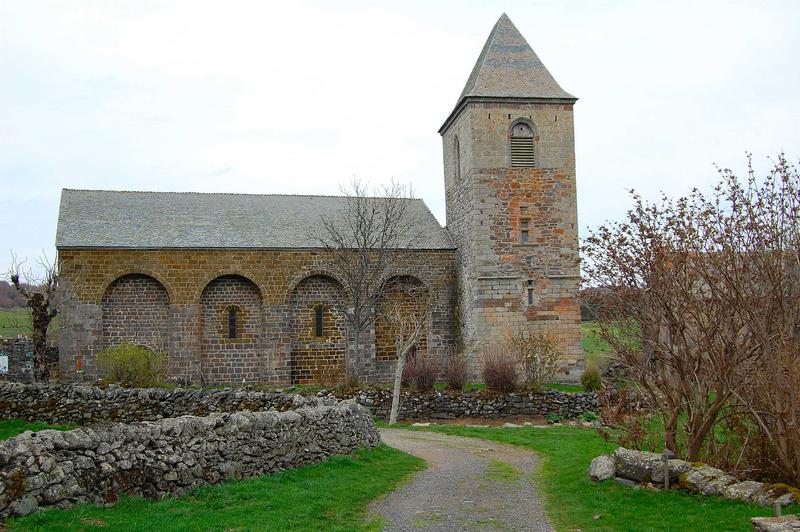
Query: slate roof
175, 220
507, 67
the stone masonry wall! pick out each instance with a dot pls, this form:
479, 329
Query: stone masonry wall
136, 309
60, 469
318, 359
485, 208
226, 359
185, 274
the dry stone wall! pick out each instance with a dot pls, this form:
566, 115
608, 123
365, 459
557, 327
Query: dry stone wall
449, 405
639, 468
16, 359
76, 404
171, 456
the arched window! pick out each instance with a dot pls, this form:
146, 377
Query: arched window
232, 318
318, 324
457, 159
522, 153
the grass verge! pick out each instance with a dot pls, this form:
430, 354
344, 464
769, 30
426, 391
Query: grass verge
12, 427
332, 495
572, 501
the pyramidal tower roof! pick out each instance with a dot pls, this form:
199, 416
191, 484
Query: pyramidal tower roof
509, 68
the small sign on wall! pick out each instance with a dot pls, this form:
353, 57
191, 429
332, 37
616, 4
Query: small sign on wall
3, 363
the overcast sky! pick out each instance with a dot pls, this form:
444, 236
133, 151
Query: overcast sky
298, 97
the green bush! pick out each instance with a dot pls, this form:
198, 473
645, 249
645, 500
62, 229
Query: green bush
589, 416
590, 380
553, 417
132, 366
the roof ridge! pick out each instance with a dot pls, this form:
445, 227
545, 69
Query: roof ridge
252, 194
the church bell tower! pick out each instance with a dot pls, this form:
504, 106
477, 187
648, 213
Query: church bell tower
509, 170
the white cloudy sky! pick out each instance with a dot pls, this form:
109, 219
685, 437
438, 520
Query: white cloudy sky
298, 97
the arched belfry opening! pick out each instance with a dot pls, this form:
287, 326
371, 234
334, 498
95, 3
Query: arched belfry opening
522, 144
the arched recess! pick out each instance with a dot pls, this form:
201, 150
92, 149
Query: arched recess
317, 358
231, 356
135, 309
307, 274
404, 294
115, 275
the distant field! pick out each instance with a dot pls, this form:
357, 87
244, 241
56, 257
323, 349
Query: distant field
15, 321
595, 349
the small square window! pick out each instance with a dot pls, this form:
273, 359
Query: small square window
524, 231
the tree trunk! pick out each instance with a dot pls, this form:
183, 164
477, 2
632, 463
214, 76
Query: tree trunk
398, 377
670, 432
41, 321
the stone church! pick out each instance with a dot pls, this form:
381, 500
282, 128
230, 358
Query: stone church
236, 288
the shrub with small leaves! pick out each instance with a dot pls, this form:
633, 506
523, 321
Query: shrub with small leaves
552, 417
539, 353
132, 366
591, 380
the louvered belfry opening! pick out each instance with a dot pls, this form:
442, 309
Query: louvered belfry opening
522, 152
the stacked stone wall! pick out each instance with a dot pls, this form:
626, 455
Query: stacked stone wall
76, 404
19, 355
170, 456
451, 405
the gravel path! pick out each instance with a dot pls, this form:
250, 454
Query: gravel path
470, 484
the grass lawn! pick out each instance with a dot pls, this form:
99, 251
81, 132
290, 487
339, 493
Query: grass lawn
332, 495
14, 321
572, 500
11, 427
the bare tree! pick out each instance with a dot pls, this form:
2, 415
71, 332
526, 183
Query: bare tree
41, 296
362, 242
404, 310
699, 292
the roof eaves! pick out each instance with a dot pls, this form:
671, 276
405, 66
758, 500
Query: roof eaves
462, 104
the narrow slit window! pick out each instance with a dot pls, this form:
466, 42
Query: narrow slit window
522, 148
457, 160
318, 325
524, 231
530, 293
232, 322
